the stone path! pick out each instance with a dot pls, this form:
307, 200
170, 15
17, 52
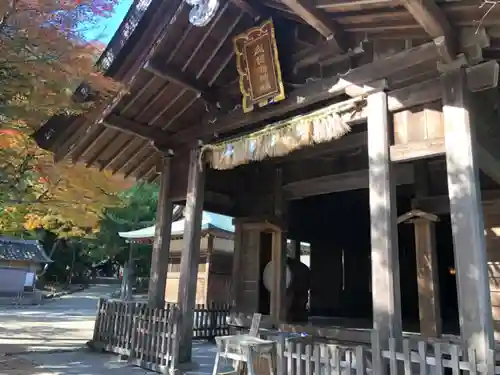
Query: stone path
48, 340
84, 362
65, 323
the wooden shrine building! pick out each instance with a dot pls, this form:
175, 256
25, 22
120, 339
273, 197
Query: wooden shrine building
213, 284
323, 122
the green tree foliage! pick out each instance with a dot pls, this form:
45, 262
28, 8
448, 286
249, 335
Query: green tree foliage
71, 260
138, 210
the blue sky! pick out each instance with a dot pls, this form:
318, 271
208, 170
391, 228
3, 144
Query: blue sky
108, 26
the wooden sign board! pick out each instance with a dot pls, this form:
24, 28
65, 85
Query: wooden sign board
258, 66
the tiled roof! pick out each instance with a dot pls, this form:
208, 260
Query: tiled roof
16, 249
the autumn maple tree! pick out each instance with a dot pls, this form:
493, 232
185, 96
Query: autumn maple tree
35, 192
44, 57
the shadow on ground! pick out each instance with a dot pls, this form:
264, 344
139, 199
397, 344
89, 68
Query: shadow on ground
64, 323
85, 362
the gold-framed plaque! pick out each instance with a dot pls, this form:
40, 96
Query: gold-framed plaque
258, 66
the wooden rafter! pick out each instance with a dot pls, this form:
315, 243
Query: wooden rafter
334, 183
433, 20
66, 149
253, 8
139, 165
410, 96
311, 93
148, 133
137, 151
321, 21
91, 160
175, 75
144, 88
322, 51
216, 74
440, 204
328, 88
127, 74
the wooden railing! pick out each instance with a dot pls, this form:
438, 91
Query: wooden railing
148, 337
211, 321
416, 356
312, 356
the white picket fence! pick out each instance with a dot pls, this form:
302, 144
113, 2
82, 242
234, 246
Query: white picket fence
310, 356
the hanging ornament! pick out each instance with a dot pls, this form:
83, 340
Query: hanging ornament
202, 12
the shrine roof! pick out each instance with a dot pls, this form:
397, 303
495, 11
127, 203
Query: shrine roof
183, 83
209, 221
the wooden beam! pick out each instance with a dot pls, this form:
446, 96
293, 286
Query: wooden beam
310, 94
333, 183
474, 301
426, 255
175, 75
423, 92
348, 142
321, 21
386, 291
148, 43
403, 98
236, 273
483, 76
473, 41
417, 150
68, 148
433, 20
148, 133
399, 153
427, 277
161, 244
211, 198
278, 253
326, 49
191, 254
253, 8
440, 204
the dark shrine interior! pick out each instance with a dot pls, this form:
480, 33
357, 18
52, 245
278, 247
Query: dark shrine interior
337, 226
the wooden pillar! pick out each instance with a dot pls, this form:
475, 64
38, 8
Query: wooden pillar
466, 216
209, 295
191, 253
237, 271
161, 244
278, 293
425, 248
427, 278
278, 310
386, 293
